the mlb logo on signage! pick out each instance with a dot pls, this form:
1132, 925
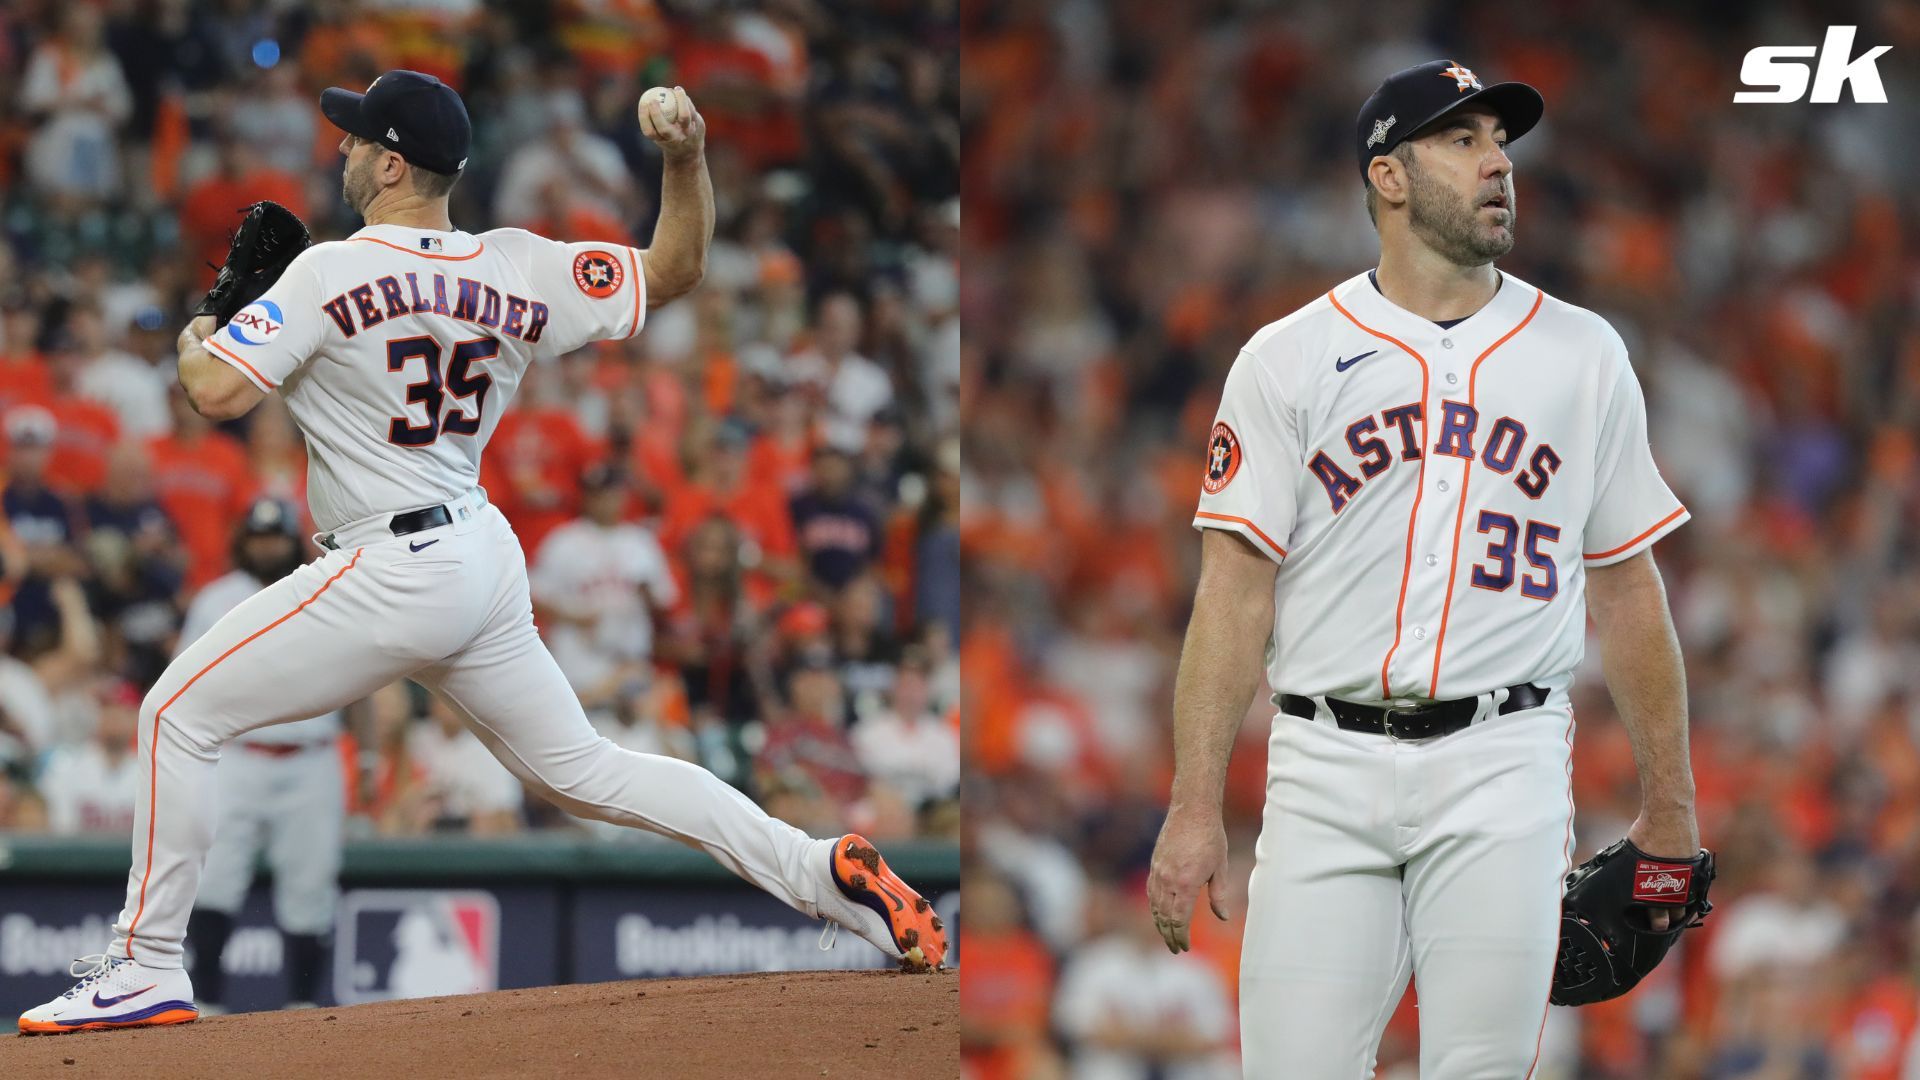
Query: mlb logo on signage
409, 943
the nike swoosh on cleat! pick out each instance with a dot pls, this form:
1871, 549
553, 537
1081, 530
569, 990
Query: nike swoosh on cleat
417, 547
101, 1003
898, 904
1342, 365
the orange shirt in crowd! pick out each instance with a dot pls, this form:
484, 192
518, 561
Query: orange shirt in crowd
210, 210
203, 486
1007, 996
759, 509
532, 468
1872, 1029
86, 432
25, 379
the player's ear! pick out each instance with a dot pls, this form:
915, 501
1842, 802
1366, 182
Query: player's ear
1389, 177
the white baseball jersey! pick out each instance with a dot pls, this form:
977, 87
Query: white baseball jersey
1433, 494
397, 349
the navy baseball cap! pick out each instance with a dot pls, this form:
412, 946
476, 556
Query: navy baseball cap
415, 115
1412, 99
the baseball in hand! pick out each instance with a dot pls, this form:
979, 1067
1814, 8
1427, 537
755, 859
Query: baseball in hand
665, 99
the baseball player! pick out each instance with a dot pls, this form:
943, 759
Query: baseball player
281, 790
396, 350
1417, 489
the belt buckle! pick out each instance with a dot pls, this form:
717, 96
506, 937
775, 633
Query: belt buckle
1388, 712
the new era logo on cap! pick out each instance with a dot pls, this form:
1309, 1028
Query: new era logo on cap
392, 134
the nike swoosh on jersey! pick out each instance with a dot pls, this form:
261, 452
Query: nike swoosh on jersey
423, 544
102, 1002
1342, 365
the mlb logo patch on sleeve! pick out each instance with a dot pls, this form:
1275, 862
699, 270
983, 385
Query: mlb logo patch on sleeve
597, 273
1661, 883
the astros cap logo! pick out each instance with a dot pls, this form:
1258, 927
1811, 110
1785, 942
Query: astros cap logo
1223, 458
597, 273
1463, 80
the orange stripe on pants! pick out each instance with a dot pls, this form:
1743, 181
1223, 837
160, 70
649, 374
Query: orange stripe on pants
153, 750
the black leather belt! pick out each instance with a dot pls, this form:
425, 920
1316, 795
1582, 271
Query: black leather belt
412, 521
1413, 721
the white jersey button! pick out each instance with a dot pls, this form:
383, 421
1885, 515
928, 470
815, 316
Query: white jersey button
1446, 343
1444, 486
1452, 378
1433, 560
1420, 633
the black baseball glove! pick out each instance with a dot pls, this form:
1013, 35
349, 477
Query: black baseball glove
268, 239
1606, 941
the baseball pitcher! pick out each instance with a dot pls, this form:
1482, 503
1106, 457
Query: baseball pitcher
1417, 489
396, 350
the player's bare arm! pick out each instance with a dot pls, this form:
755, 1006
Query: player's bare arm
677, 261
1648, 681
215, 388
1220, 668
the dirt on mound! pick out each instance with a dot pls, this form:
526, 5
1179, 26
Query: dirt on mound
800, 1024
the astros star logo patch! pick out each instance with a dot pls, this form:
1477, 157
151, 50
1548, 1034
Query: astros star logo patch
597, 273
1223, 458
1463, 80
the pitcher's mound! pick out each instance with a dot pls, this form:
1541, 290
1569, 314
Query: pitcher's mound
798, 1024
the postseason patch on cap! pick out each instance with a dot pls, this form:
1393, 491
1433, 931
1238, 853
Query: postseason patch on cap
1223, 458
1661, 883
597, 273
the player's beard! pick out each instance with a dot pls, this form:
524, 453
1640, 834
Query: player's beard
357, 186
1451, 225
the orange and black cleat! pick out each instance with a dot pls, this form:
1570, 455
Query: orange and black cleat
919, 937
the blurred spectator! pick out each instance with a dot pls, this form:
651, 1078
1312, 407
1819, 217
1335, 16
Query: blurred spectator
907, 745
45, 521
460, 785
807, 742
1008, 992
201, 477
535, 459
597, 584
212, 208
89, 786
1132, 1010
569, 160
850, 387
132, 386
74, 86
837, 529
719, 483
137, 562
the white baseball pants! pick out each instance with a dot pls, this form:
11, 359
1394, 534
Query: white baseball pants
449, 608
1377, 858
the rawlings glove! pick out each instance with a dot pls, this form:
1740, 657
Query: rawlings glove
269, 238
1606, 944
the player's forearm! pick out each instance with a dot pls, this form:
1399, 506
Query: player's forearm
678, 257
1645, 673
214, 388
1220, 666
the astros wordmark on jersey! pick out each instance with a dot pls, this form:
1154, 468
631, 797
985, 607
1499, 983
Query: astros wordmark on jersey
422, 354
1434, 494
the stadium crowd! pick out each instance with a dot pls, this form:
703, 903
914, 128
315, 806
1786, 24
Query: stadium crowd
1190, 179
741, 526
